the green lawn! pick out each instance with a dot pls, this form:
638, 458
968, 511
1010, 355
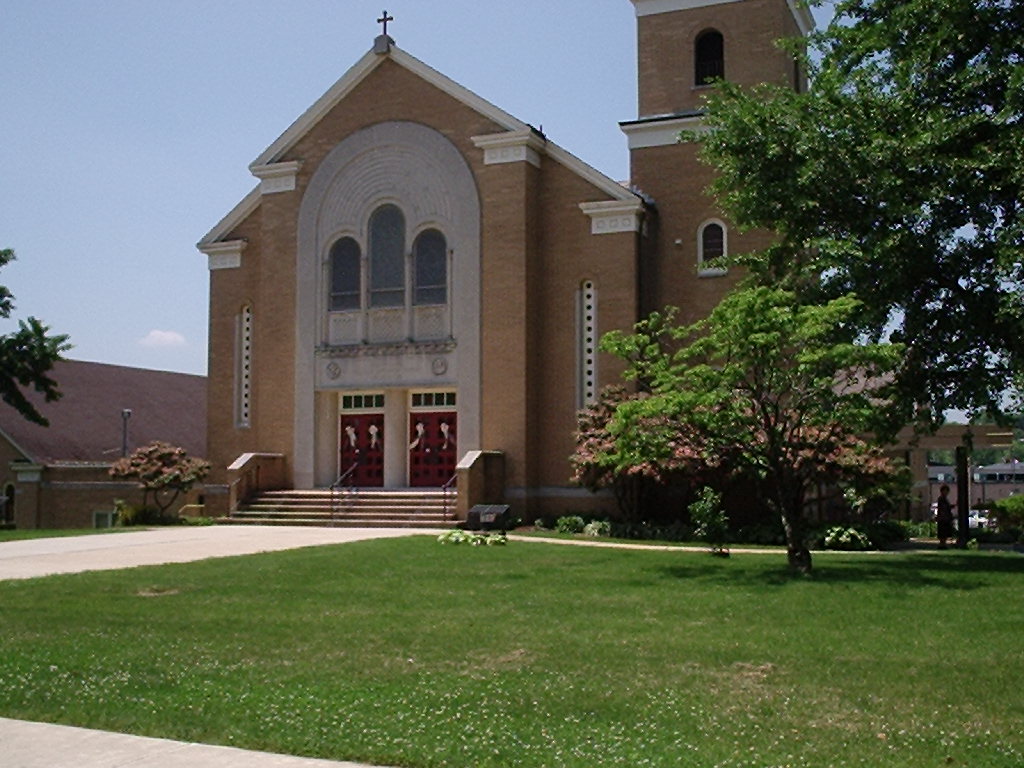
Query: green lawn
408, 653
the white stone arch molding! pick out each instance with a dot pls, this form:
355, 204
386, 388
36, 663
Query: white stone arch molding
422, 172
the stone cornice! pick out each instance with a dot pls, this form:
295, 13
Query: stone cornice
611, 216
380, 350
660, 132
224, 255
511, 147
27, 473
276, 177
801, 14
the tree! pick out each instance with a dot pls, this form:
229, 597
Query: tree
770, 390
163, 471
899, 177
26, 357
595, 465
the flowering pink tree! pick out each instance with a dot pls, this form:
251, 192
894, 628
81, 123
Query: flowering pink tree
767, 389
164, 471
597, 465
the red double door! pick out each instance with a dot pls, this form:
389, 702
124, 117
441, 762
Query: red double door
362, 447
432, 448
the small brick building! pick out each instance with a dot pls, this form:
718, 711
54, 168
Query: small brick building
419, 279
57, 476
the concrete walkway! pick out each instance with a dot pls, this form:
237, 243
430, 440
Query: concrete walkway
42, 745
181, 544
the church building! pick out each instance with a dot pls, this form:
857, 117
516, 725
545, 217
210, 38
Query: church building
415, 289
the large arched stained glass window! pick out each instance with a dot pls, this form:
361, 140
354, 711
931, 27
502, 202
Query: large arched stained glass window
709, 57
430, 265
346, 276
387, 257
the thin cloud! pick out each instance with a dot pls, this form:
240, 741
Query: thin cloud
157, 338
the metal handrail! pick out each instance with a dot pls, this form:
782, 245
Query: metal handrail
340, 483
445, 490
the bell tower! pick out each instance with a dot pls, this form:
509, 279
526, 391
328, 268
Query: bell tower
683, 46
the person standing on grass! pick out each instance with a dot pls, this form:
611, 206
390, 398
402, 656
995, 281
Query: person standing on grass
944, 516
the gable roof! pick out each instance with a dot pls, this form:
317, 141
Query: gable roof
359, 72
86, 423
352, 78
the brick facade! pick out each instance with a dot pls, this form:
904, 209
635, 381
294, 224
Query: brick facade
527, 224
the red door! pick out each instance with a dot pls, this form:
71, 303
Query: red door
362, 445
432, 453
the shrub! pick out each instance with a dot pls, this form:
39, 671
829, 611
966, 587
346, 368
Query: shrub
677, 531
712, 525
885, 533
928, 529
1009, 514
473, 539
846, 539
130, 514
597, 528
569, 524
1002, 536
761, 533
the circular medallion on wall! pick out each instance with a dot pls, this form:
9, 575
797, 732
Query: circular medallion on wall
333, 370
439, 366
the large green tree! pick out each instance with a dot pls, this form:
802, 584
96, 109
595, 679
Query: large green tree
27, 356
765, 389
898, 176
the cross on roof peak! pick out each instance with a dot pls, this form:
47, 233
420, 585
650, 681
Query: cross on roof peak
384, 19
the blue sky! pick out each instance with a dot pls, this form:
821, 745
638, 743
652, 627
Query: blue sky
128, 125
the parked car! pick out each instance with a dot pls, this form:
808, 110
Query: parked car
978, 518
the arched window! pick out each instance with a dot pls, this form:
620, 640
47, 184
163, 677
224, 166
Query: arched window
430, 268
709, 57
711, 247
346, 276
387, 257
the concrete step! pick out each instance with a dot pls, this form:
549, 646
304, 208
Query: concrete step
348, 522
364, 508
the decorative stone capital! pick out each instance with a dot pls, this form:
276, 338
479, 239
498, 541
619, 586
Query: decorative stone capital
224, 255
610, 216
511, 147
276, 177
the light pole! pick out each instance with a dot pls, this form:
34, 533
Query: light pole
126, 413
